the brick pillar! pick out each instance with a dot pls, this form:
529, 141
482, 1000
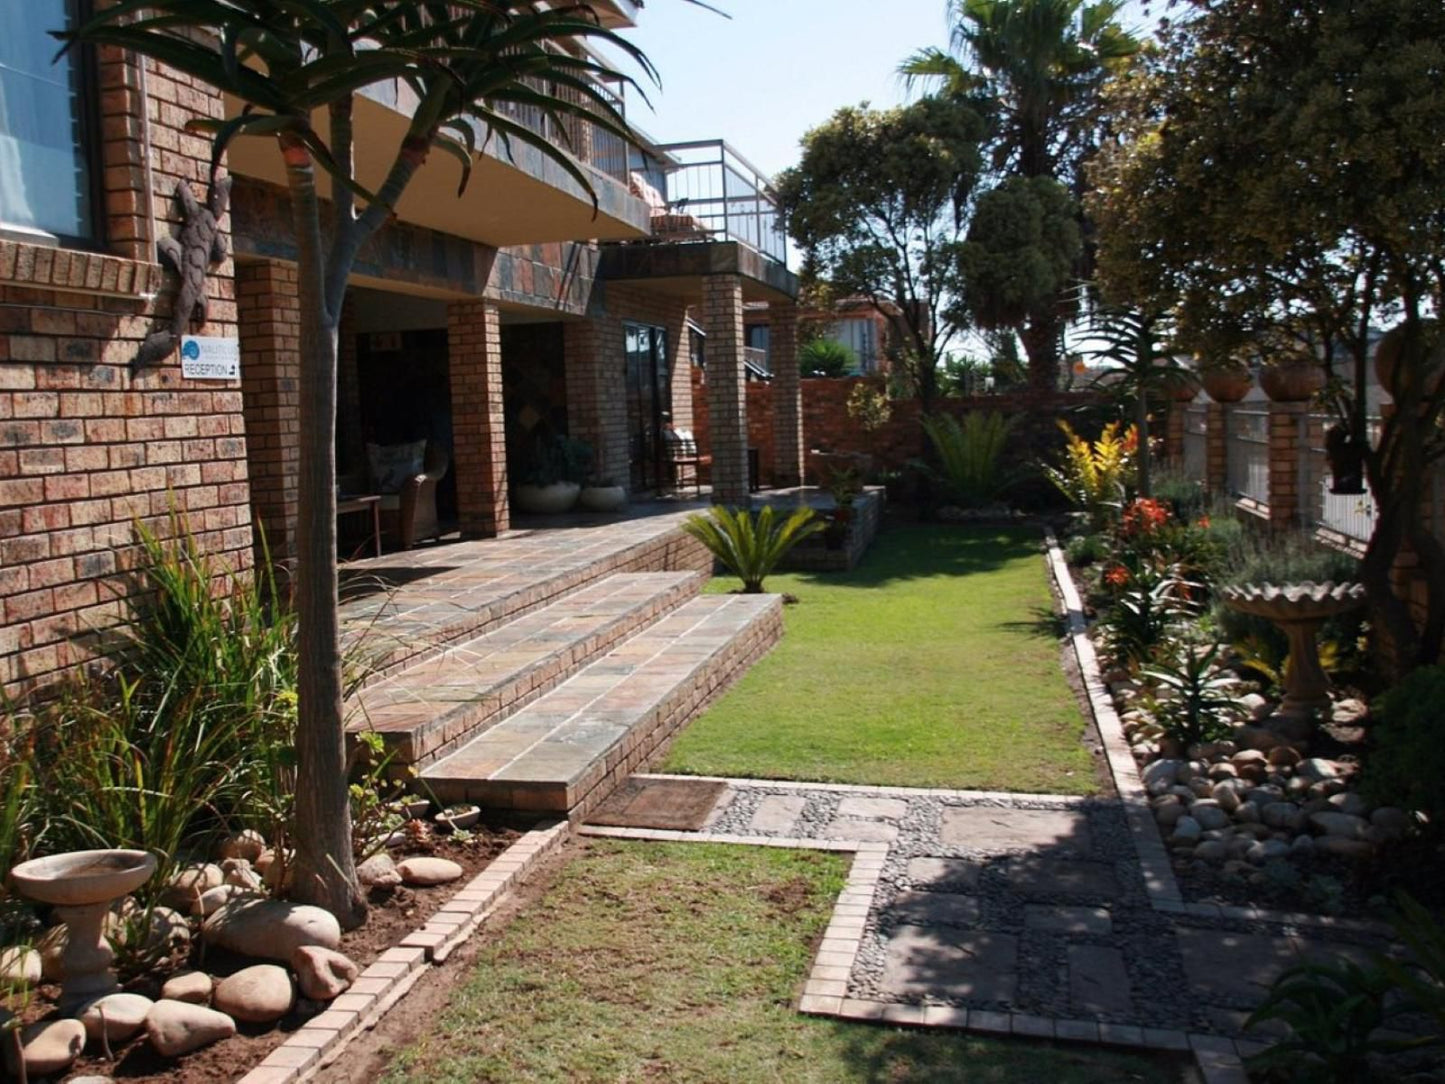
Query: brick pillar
269, 316
350, 453
474, 349
1285, 449
1174, 433
1216, 448
722, 297
787, 394
596, 404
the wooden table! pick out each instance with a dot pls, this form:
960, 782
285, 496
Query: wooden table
360, 503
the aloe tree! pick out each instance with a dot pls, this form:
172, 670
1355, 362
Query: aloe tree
467, 62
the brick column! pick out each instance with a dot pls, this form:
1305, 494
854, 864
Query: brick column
1174, 432
596, 405
787, 394
1285, 449
726, 392
1216, 448
269, 312
474, 349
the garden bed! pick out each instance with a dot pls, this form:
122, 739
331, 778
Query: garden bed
395, 911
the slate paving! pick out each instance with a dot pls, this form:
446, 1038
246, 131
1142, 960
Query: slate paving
1031, 910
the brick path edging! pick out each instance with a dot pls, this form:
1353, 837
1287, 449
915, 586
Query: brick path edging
323, 1038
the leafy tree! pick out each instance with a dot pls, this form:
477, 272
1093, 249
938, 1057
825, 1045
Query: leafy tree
1040, 63
1279, 167
467, 62
877, 205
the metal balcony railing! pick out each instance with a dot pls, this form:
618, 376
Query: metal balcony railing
589, 143
729, 197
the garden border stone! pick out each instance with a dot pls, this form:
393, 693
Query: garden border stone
323, 1038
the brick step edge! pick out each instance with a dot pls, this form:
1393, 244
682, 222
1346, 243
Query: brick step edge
324, 1038
475, 717
672, 551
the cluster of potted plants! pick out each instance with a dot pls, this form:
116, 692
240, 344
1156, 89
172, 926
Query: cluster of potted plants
559, 478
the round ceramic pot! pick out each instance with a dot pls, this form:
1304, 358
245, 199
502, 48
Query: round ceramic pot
1292, 381
1185, 390
602, 499
548, 500
1226, 385
1387, 358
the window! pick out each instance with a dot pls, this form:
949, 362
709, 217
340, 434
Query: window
860, 335
45, 172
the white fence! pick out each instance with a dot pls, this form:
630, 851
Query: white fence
1196, 443
1348, 514
1248, 454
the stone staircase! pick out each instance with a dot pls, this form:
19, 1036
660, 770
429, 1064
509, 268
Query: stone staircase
541, 692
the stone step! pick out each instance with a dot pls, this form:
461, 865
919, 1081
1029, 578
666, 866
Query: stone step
404, 607
567, 750
431, 707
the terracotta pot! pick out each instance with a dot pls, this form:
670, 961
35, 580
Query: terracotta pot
1185, 390
1226, 385
1294, 381
1387, 357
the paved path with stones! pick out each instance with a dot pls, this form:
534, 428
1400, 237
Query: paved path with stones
1028, 914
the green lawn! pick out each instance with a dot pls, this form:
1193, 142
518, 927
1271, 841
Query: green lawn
935, 663
680, 962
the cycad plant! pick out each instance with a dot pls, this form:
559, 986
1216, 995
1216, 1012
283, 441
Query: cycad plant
470, 65
750, 545
969, 452
1096, 476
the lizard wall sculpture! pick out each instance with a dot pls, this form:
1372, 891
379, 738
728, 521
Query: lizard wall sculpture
196, 247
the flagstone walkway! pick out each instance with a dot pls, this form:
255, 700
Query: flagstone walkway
1021, 914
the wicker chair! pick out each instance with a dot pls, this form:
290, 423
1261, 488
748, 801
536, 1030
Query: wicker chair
409, 515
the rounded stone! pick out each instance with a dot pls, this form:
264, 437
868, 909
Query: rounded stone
1209, 814
429, 871
47, 1047
175, 1027
1261, 852
1186, 830
1285, 815
258, 995
1227, 796
213, 899
1212, 850
192, 987
321, 973
240, 873
1247, 813
247, 844
270, 929
1356, 850
187, 884
1164, 772
117, 1017
1284, 756
378, 871
20, 966
1255, 737
1169, 815
1350, 802
1339, 825
1317, 769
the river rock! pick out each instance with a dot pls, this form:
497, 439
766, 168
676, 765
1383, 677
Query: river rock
321, 973
1168, 815
48, 1047
20, 966
175, 1027
213, 899
1284, 756
271, 929
1302, 846
1349, 712
1340, 825
1254, 705
1249, 758
1261, 852
187, 884
1350, 802
1226, 795
1298, 788
116, 1016
1285, 816
1223, 770
241, 874
247, 845
1209, 814
1247, 813
1263, 796
257, 995
428, 871
1160, 775
1356, 850
1212, 850
192, 987
1317, 769
378, 871
1186, 830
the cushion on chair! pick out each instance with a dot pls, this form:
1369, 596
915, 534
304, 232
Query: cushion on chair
392, 464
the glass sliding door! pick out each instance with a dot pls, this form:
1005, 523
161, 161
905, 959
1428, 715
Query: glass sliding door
649, 397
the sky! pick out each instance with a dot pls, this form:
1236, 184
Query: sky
776, 68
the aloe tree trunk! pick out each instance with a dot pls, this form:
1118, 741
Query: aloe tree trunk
325, 873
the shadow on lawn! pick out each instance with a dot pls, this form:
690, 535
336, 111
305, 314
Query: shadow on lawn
910, 553
1043, 621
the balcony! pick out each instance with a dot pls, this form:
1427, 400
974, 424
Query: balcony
725, 195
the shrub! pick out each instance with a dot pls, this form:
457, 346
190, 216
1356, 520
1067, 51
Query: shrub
750, 546
869, 406
558, 459
826, 357
1143, 618
1203, 705
1406, 767
1086, 549
1185, 495
1096, 477
969, 452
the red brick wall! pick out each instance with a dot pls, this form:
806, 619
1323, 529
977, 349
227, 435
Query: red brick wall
86, 445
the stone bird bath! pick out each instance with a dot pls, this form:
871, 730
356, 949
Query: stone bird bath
81, 886
1299, 609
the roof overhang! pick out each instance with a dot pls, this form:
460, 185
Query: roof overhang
679, 268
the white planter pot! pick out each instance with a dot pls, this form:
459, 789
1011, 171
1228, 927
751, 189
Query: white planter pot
548, 500
602, 499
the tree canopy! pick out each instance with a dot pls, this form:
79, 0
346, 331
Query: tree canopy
1279, 174
879, 204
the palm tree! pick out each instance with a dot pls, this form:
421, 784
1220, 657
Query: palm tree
1040, 63
468, 62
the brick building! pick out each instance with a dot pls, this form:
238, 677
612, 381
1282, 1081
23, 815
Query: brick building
478, 324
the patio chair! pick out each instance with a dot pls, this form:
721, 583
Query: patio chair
408, 489
683, 456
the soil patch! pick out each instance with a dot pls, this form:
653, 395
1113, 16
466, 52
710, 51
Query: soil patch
395, 912
680, 805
